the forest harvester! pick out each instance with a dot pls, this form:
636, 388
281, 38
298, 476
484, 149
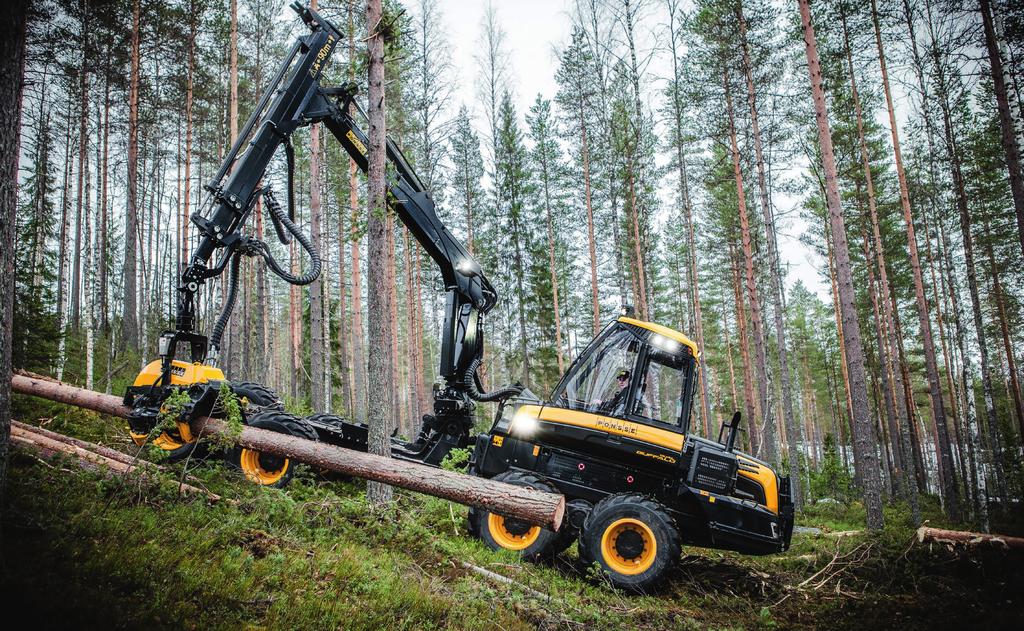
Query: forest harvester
613, 437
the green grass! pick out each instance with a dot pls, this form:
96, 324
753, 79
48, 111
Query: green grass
105, 553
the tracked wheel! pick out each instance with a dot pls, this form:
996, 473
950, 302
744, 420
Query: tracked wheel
633, 540
268, 469
532, 542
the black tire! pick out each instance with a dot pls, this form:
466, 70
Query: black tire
256, 396
633, 540
533, 543
266, 469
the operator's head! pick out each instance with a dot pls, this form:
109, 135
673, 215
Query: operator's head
622, 377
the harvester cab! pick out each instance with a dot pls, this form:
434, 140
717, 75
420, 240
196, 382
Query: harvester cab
614, 439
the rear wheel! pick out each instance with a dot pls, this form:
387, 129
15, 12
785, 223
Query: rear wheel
268, 469
257, 394
532, 542
632, 539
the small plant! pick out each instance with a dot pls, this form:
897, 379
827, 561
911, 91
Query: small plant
170, 412
229, 408
456, 460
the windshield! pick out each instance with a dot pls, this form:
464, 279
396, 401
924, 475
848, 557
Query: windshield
600, 382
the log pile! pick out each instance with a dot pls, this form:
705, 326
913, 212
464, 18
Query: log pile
536, 507
90, 456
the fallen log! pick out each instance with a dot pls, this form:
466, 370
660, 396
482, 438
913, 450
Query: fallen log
48, 447
536, 507
102, 450
926, 534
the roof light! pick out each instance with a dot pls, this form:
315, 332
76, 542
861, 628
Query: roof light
665, 343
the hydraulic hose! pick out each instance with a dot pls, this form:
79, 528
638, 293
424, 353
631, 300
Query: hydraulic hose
275, 210
473, 390
229, 302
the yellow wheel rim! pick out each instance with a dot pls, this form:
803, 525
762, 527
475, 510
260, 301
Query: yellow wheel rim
255, 471
166, 441
628, 546
510, 539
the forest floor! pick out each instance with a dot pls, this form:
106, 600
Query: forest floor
84, 551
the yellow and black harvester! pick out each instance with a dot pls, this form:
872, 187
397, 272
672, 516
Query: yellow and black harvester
613, 437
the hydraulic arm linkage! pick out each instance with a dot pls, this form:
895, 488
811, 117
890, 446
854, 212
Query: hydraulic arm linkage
296, 99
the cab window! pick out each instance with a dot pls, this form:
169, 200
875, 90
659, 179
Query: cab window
600, 383
660, 394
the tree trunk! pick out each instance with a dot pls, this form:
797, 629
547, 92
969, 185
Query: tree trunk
317, 357
753, 409
536, 507
380, 359
960, 195
130, 335
1006, 126
888, 353
591, 242
851, 327
775, 273
947, 476
1011, 364
12, 72
358, 356
549, 223
768, 449
927, 534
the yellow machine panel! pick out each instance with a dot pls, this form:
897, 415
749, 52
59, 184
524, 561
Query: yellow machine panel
589, 420
766, 478
182, 374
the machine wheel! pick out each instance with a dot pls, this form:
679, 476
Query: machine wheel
257, 395
267, 469
633, 540
533, 543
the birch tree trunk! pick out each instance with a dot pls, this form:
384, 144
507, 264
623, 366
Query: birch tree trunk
130, 335
863, 443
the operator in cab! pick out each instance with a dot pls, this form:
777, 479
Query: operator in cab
616, 406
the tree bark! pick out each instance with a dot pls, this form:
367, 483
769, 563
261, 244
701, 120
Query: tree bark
130, 335
926, 534
536, 507
863, 442
358, 356
947, 476
775, 273
768, 448
1006, 126
380, 359
753, 409
12, 73
318, 358
889, 351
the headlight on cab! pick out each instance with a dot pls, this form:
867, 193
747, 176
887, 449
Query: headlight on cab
524, 425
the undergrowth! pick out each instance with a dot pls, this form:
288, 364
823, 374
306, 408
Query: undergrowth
98, 552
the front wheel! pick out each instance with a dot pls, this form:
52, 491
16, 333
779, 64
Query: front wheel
632, 539
530, 541
268, 469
